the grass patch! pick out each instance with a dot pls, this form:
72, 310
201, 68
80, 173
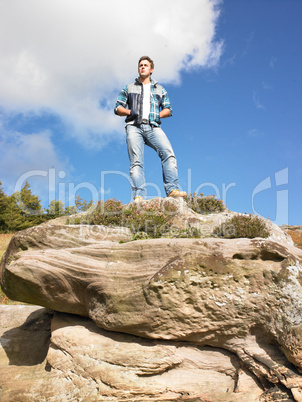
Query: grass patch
4, 241
205, 204
249, 226
296, 236
153, 219
149, 220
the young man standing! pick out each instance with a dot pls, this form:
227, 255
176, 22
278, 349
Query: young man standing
144, 103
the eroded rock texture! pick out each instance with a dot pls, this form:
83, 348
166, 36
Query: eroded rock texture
188, 298
86, 363
124, 366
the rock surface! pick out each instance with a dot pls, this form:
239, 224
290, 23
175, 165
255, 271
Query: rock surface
229, 310
124, 366
24, 343
91, 364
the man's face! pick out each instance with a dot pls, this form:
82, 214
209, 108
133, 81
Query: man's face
144, 69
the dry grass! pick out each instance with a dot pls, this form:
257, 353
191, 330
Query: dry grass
4, 241
296, 235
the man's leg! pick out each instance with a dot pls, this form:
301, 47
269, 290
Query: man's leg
135, 144
158, 140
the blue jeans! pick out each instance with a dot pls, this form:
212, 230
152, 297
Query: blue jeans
154, 137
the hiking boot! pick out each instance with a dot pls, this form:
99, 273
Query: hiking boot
177, 193
138, 198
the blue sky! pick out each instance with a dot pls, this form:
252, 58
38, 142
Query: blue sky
233, 73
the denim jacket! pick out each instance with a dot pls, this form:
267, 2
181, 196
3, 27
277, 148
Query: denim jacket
131, 96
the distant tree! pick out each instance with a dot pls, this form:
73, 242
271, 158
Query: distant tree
14, 219
29, 206
3, 206
23, 209
3, 198
81, 204
28, 202
20, 210
55, 209
70, 210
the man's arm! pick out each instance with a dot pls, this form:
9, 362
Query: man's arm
121, 103
165, 105
164, 113
122, 111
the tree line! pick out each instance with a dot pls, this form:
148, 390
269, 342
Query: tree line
23, 209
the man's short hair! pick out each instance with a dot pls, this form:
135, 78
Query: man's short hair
149, 60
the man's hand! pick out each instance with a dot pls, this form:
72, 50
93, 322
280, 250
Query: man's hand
122, 111
133, 116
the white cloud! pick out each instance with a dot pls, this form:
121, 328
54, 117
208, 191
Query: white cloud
28, 157
257, 101
267, 85
273, 62
68, 55
255, 133
248, 43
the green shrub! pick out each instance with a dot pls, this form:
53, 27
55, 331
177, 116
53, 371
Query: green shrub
205, 204
141, 236
106, 213
249, 226
152, 218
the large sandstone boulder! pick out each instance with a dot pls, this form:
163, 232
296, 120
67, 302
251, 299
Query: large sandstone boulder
181, 295
85, 363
